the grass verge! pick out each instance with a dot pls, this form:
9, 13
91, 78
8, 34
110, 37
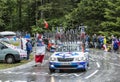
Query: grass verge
5, 65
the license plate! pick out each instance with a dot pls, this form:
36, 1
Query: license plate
80, 65
65, 63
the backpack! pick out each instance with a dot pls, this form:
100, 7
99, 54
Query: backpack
115, 45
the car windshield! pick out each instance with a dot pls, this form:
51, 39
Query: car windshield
69, 49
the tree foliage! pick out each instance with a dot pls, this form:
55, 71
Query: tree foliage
28, 15
112, 16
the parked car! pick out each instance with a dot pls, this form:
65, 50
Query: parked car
69, 57
22, 52
10, 37
7, 34
8, 54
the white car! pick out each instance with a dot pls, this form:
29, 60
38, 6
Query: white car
23, 53
69, 57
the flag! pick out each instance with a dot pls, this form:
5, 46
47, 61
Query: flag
46, 24
39, 58
39, 55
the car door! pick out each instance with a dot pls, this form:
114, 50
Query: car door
1, 53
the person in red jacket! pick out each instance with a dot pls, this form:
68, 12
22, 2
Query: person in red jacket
49, 46
46, 24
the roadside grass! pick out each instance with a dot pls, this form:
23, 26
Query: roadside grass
5, 65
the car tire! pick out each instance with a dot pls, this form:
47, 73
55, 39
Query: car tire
52, 70
10, 59
85, 69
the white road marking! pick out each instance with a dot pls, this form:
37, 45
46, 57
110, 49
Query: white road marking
98, 65
91, 74
114, 64
114, 58
63, 75
55, 74
52, 79
76, 75
12, 81
118, 56
9, 72
34, 73
60, 80
92, 59
26, 73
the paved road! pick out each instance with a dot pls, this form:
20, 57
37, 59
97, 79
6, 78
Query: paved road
104, 67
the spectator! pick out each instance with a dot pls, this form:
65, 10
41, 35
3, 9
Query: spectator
100, 41
115, 45
105, 43
119, 45
94, 40
87, 41
112, 41
28, 48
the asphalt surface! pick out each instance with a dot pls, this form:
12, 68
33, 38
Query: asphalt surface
26, 65
104, 67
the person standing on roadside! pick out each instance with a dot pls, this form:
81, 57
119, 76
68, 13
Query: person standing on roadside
28, 48
105, 43
94, 40
115, 45
112, 41
119, 45
100, 41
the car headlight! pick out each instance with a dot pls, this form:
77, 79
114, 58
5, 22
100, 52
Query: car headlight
80, 59
53, 59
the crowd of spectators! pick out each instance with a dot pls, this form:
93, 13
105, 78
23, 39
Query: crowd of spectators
110, 44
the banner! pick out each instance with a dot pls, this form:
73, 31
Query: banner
39, 55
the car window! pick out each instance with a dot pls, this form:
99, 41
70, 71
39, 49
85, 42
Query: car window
2, 46
68, 48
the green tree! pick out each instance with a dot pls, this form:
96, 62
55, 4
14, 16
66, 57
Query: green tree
90, 13
112, 16
2, 7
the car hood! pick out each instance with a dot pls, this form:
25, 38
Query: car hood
68, 54
18, 49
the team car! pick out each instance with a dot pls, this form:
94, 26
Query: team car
22, 53
10, 53
69, 57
